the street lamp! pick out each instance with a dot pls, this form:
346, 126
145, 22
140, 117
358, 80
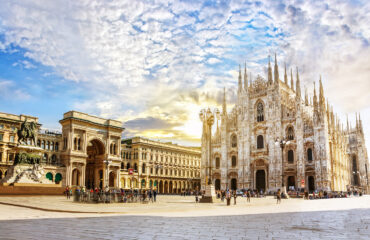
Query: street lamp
282, 142
107, 162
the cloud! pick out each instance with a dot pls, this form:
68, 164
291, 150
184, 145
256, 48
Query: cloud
161, 62
9, 91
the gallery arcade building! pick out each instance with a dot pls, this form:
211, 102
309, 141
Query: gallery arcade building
87, 151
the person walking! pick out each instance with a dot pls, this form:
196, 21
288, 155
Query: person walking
155, 195
278, 197
67, 192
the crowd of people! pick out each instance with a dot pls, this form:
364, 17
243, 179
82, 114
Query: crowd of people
108, 195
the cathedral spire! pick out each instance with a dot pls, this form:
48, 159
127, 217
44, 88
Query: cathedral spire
321, 97
347, 124
269, 73
291, 79
240, 79
250, 78
314, 97
224, 110
245, 78
305, 97
298, 87
360, 121
285, 76
276, 71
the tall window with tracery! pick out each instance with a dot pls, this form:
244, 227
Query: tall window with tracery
234, 141
290, 133
260, 112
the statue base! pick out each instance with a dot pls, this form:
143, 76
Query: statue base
210, 195
25, 174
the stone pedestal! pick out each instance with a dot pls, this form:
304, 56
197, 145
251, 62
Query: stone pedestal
210, 195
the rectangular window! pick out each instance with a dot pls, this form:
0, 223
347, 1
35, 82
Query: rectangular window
12, 138
11, 157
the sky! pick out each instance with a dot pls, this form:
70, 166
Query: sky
155, 64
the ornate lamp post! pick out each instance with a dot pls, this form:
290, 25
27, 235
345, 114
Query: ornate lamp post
208, 118
282, 142
107, 162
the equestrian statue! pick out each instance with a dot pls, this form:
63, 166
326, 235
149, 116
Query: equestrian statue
28, 131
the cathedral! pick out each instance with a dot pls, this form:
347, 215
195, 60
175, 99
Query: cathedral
275, 138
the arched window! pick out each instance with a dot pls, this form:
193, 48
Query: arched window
290, 133
217, 162
43, 144
56, 146
128, 165
75, 144
52, 146
38, 143
135, 167
234, 141
233, 161
260, 144
260, 112
45, 158
143, 168
48, 145
53, 159
309, 155
290, 156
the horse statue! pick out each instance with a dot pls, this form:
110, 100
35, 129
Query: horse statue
28, 131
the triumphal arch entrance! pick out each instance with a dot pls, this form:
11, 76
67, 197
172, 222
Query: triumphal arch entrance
91, 150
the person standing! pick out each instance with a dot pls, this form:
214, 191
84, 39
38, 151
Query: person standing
248, 196
155, 195
278, 197
234, 197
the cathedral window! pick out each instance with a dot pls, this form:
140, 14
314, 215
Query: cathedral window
260, 112
260, 142
217, 163
309, 155
233, 161
290, 133
290, 156
234, 141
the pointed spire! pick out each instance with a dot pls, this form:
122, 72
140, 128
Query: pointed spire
298, 87
321, 97
250, 78
305, 97
240, 79
291, 79
276, 71
245, 78
224, 110
360, 121
347, 124
285, 76
269, 73
314, 96
356, 121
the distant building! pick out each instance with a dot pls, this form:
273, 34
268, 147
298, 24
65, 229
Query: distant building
320, 154
168, 167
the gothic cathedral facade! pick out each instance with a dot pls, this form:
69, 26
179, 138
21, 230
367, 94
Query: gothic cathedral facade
274, 137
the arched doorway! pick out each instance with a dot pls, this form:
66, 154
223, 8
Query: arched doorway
171, 187
291, 183
112, 177
160, 187
165, 187
311, 184
218, 184
94, 164
233, 184
261, 180
75, 177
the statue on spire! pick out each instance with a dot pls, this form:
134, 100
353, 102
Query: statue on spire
291, 79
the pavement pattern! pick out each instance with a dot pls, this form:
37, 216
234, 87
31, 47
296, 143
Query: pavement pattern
344, 221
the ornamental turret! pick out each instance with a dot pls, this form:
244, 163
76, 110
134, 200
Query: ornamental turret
269, 74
